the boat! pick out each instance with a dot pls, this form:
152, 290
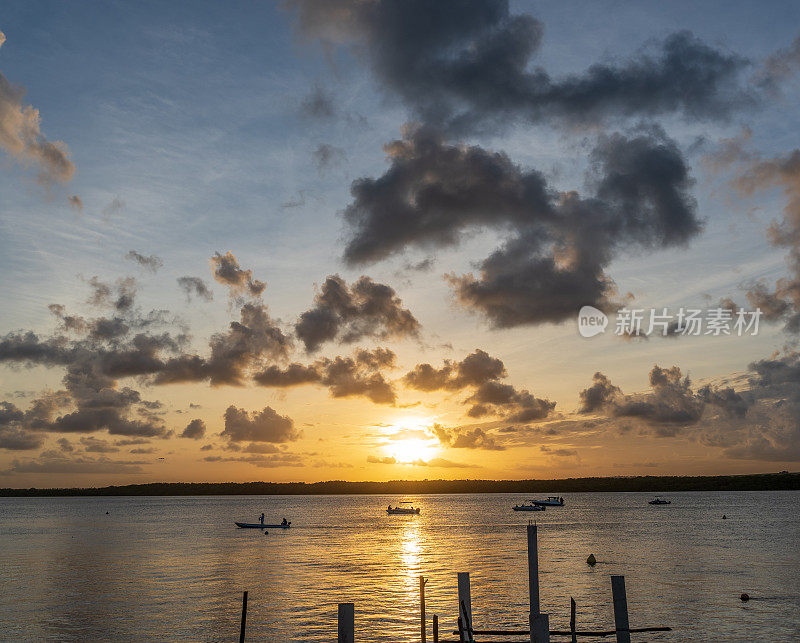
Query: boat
402, 510
659, 501
550, 501
529, 507
262, 525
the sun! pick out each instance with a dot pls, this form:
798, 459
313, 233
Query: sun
411, 450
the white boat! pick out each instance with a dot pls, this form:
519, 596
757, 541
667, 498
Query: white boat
550, 501
530, 507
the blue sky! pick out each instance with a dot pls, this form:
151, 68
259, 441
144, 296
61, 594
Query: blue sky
190, 118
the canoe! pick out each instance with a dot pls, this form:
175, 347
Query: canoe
258, 525
402, 511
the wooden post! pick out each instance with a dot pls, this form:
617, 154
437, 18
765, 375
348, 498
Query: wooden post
435, 629
539, 623
465, 599
422, 633
244, 618
347, 623
621, 623
572, 620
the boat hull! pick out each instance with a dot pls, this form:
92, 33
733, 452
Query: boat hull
402, 512
258, 525
528, 508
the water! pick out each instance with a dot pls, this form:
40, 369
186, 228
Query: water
169, 569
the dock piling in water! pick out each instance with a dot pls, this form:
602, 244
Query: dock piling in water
422, 633
539, 623
244, 617
621, 623
347, 623
465, 601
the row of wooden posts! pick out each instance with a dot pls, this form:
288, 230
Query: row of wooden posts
539, 628
539, 623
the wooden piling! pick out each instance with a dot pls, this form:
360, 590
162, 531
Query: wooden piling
422, 632
244, 618
539, 623
621, 623
572, 611
347, 623
465, 601
435, 629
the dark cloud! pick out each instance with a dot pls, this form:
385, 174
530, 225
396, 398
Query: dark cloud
319, 104
151, 263
328, 156
196, 430
480, 372
467, 66
600, 393
195, 287
560, 244
240, 282
232, 354
260, 426
465, 438
475, 369
262, 461
92, 444
356, 376
15, 439
349, 313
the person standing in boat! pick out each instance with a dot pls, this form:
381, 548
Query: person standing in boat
262, 519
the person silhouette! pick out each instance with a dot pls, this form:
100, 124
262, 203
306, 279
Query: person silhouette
262, 519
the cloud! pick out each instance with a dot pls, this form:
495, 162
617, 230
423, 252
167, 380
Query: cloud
319, 104
263, 461
57, 462
559, 244
475, 369
232, 354
440, 463
15, 439
92, 444
195, 287
349, 313
196, 430
113, 208
260, 426
356, 376
481, 373
328, 156
75, 202
470, 67
22, 138
240, 282
783, 301
600, 393
462, 438
151, 263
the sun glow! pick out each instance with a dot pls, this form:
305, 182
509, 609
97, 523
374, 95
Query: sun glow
412, 450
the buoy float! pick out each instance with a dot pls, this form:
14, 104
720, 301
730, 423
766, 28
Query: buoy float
745, 597
591, 561
724, 517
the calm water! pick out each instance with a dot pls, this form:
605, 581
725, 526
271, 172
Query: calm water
168, 569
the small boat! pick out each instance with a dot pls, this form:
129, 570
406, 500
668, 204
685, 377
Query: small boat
659, 501
528, 507
402, 510
550, 501
262, 525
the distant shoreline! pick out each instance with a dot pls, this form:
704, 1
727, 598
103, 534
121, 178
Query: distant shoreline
783, 481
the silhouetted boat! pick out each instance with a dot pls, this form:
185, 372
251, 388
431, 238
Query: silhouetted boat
530, 507
402, 510
659, 501
262, 525
550, 501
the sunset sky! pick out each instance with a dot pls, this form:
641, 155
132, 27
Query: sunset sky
322, 240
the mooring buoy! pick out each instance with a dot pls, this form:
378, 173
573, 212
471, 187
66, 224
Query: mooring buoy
591, 561
744, 597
